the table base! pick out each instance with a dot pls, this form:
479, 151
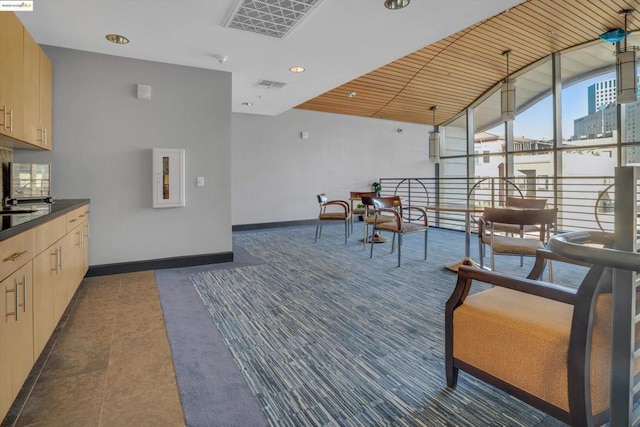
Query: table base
466, 261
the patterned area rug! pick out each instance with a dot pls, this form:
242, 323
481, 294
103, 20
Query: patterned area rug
326, 336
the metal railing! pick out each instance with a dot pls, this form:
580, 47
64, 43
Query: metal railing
583, 203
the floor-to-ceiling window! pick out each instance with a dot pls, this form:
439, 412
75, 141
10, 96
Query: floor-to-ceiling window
565, 141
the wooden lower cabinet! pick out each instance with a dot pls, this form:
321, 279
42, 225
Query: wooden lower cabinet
73, 260
16, 334
43, 268
49, 295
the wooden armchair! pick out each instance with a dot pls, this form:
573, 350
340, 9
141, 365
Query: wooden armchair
512, 229
546, 344
332, 211
389, 215
520, 244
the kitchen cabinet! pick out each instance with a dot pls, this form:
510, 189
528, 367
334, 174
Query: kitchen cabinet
25, 85
49, 285
40, 270
11, 76
46, 101
37, 94
16, 333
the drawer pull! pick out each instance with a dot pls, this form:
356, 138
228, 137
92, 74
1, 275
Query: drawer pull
16, 256
73, 220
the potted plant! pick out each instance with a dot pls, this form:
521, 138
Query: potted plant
377, 187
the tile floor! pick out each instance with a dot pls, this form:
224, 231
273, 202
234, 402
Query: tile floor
107, 364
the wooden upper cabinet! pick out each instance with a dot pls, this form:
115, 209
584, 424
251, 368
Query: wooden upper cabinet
25, 85
46, 101
31, 90
37, 94
11, 76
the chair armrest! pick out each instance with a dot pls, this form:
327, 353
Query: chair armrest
542, 255
423, 211
340, 203
467, 274
393, 212
482, 225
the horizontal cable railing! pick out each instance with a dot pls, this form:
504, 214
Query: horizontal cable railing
583, 203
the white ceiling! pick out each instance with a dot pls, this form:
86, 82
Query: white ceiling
337, 42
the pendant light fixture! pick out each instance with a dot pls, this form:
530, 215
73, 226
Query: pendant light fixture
508, 94
396, 4
626, 80
434, 139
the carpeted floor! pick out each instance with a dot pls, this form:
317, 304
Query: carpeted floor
323, 335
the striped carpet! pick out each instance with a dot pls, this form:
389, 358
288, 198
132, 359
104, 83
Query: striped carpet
326, 336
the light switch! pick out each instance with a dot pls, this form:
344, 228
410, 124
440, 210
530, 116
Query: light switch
200, 181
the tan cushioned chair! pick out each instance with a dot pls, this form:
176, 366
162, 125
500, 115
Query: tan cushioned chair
531, 339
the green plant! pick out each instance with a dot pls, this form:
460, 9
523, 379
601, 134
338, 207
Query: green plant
359, 206
377, 187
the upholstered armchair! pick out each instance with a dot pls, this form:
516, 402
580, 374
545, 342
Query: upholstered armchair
546, 344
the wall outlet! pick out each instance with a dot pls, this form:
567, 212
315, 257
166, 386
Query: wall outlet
200, 181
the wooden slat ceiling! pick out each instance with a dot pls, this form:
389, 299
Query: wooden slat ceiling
455, 71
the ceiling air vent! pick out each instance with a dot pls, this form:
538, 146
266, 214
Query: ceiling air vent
268, 84
275, 18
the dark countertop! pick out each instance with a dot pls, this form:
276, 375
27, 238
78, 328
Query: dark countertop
13, 224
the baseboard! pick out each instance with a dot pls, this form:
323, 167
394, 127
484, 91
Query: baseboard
159, 264
265, 225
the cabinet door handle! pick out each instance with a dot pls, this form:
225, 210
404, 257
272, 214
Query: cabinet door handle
11, 121
57, 264
8, 291
4, 117
61, 262
24, 293
17, 299
45, 135
16, 256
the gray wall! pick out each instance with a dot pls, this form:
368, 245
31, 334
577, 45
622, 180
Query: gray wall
276, 174
257, 169
103, 138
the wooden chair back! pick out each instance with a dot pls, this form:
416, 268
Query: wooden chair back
519, 202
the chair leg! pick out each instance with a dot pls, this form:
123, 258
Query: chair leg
371, 243
364, 236
451, 373
317, 228
481, 250
393, 243
346, 231
426, 235
399, 246
492, 267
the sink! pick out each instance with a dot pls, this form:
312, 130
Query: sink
16, 211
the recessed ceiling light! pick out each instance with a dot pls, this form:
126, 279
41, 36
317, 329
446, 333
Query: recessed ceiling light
247, 104
396, 4
351, 94
117, 38
296, 69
